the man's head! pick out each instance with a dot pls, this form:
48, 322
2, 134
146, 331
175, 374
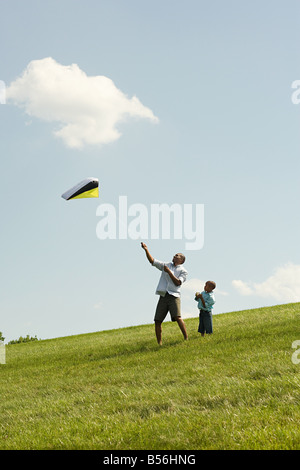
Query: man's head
209, 286
179, 258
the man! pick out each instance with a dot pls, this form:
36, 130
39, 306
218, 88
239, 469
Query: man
172, 276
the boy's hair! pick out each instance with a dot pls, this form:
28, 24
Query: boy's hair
213, 284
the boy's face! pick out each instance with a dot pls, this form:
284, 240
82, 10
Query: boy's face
208, 287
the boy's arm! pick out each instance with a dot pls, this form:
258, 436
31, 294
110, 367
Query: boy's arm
200, 296
202, 300
210, 302
149, 257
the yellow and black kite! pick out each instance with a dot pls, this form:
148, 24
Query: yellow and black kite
85, 189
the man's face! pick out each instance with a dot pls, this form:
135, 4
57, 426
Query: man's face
177, 259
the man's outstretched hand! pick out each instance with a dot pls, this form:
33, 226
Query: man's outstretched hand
149, 257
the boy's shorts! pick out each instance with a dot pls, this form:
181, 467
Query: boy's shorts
166, 304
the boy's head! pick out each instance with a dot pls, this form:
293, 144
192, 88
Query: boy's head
209, 286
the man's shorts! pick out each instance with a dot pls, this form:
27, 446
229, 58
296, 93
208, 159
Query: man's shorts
166, 304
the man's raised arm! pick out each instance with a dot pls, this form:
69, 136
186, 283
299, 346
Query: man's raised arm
149, 257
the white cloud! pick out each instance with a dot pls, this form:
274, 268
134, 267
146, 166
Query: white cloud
99, 305
197, 285
193, 285
88, 108
242, 287
283, 285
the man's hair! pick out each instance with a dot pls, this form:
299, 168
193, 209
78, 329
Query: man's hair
182, 257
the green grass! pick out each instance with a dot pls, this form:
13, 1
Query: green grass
235, 389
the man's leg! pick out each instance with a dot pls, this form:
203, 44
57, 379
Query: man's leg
181, 325
158, 330
175, 311
160, 315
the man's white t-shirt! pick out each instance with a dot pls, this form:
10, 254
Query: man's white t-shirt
165, 283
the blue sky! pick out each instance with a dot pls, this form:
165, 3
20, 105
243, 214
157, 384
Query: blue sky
212, 123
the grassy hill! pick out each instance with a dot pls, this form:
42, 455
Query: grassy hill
236, 389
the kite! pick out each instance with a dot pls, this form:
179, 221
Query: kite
89, 187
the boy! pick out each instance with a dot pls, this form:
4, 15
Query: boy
206, 301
